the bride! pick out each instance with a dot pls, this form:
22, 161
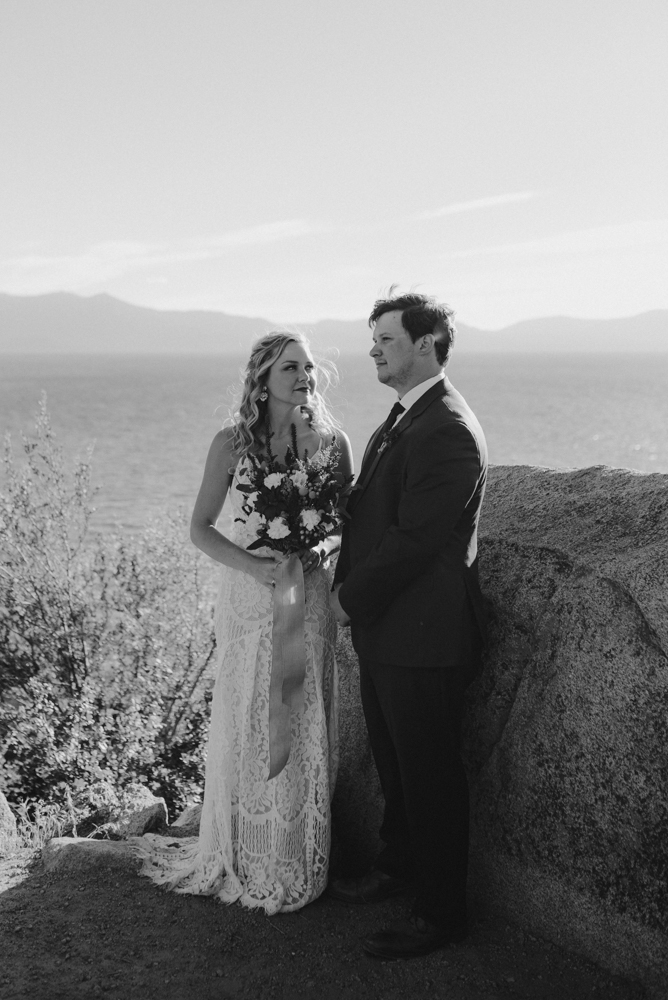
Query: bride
264, 842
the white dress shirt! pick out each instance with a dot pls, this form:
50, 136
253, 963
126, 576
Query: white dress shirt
412, 396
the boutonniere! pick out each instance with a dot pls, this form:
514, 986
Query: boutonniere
388, 440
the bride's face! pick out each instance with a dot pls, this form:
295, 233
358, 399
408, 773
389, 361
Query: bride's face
291, 378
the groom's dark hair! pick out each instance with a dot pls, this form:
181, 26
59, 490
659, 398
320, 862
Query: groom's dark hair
420, 315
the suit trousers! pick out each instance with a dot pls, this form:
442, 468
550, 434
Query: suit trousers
414, 721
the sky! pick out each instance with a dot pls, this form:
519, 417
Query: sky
291, 159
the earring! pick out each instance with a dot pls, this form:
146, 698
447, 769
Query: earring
264, 395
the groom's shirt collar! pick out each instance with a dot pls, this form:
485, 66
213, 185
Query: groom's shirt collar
412, 396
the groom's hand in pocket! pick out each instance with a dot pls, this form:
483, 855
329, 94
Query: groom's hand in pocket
335, 604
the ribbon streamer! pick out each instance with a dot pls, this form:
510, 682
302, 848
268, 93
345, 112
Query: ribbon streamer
288, 659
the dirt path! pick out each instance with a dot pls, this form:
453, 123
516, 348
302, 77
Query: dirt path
104, 932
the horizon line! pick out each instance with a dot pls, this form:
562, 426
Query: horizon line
324, 319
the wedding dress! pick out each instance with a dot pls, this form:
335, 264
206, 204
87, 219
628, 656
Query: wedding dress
264, 843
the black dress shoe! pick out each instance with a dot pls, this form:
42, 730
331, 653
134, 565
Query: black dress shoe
371, 888
412, 938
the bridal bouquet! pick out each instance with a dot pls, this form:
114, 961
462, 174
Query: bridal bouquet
293, 506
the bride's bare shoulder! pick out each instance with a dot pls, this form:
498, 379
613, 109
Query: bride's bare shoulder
341, 438
224, 438
222, 448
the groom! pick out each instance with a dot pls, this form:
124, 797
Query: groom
407, 581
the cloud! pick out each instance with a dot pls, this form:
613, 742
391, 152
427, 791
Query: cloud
596, 240
270, 232
455, 207
32, 274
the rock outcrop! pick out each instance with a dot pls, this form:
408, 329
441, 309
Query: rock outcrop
102, 811
79, 854
66, 854
567, 726
187, 824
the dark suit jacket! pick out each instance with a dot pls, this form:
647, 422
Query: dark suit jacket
408, 562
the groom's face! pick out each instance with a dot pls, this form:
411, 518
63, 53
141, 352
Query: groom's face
393, 351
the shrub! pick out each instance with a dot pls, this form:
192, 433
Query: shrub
106, 643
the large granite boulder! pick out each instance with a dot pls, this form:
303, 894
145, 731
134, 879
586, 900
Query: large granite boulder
567, 728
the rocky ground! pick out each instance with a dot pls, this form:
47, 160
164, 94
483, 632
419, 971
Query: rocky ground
98, 930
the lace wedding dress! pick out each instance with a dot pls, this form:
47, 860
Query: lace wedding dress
264, 843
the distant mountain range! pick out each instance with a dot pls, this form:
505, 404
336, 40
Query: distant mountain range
63, 323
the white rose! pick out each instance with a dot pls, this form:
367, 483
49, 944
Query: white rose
278, 528
310, 518
300, 479
274, 479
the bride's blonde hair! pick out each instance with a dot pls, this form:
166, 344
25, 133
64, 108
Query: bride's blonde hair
249, 421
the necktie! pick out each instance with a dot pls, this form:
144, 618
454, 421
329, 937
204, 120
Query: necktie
380, 440
394, 413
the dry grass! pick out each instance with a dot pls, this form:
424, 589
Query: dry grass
36, 824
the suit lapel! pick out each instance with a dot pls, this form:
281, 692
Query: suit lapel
418, 408
369, 450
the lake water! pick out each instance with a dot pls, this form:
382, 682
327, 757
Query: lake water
151, 419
